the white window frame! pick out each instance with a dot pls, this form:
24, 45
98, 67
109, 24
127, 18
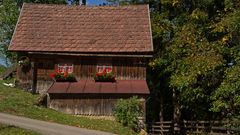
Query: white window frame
65, 67
100, 68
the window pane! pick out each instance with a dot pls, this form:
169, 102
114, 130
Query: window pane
65, 68
104, 67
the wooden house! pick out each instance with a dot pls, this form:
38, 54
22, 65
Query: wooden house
84, 41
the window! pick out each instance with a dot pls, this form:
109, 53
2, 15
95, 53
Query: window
100, 68
104, 64
65, 68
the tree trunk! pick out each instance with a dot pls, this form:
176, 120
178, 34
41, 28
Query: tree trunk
161, 108
176, 113
34, 74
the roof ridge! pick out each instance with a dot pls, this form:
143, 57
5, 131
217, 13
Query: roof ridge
65, 5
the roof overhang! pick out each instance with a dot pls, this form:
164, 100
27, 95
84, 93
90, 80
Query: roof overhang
147, 55
138, 87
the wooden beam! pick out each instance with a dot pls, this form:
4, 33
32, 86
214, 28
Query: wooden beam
92, 54
34, 74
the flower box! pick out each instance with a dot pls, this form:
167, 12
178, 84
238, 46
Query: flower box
104, 76
62, 77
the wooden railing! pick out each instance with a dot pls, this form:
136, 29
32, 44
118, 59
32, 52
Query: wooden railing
195, 127
160, 127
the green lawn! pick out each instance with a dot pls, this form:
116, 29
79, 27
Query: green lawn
17, 102
12, 130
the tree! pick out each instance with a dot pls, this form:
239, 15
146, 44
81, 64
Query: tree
226, 98
8, 18
195, 43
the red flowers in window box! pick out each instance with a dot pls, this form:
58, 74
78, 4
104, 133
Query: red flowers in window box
62, 77
105, 76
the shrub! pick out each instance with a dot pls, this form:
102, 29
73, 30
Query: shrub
127, 112
2, 69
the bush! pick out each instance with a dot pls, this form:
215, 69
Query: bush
2, 69
127, 112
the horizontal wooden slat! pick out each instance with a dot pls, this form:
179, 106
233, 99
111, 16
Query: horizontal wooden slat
158, 130
202, 127
164, 126
164, 122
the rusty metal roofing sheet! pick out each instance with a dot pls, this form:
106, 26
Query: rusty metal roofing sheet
90, 86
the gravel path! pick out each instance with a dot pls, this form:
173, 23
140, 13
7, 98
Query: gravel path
46, 128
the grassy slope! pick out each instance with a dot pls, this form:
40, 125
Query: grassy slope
2, 69
11, 130
17, 102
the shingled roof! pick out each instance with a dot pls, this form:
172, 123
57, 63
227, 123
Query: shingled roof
62, 28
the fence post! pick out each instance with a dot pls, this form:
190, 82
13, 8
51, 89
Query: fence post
228, 127
176, 128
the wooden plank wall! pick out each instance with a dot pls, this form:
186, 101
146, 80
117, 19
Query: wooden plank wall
85, 104
24, 75
99, 107
129, 68
85, 67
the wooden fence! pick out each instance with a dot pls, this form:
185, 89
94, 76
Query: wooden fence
195, 127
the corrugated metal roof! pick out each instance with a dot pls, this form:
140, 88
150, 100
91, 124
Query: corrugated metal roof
92, 87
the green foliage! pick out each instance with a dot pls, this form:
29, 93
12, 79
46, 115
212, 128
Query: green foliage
127, 112
2, 69
64, 77
71, 77
8, 18
226, 99
12, 130
17, 102
196, 46
104, 76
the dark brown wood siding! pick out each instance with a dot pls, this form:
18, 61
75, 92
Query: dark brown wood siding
85, 67
94, 104
124, 68
24, 74
84, 106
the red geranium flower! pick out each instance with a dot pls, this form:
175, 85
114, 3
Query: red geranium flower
52, 74
104, 71
99, 74
65, 74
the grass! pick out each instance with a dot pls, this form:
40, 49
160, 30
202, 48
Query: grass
12, 130
18, 102
2, 69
